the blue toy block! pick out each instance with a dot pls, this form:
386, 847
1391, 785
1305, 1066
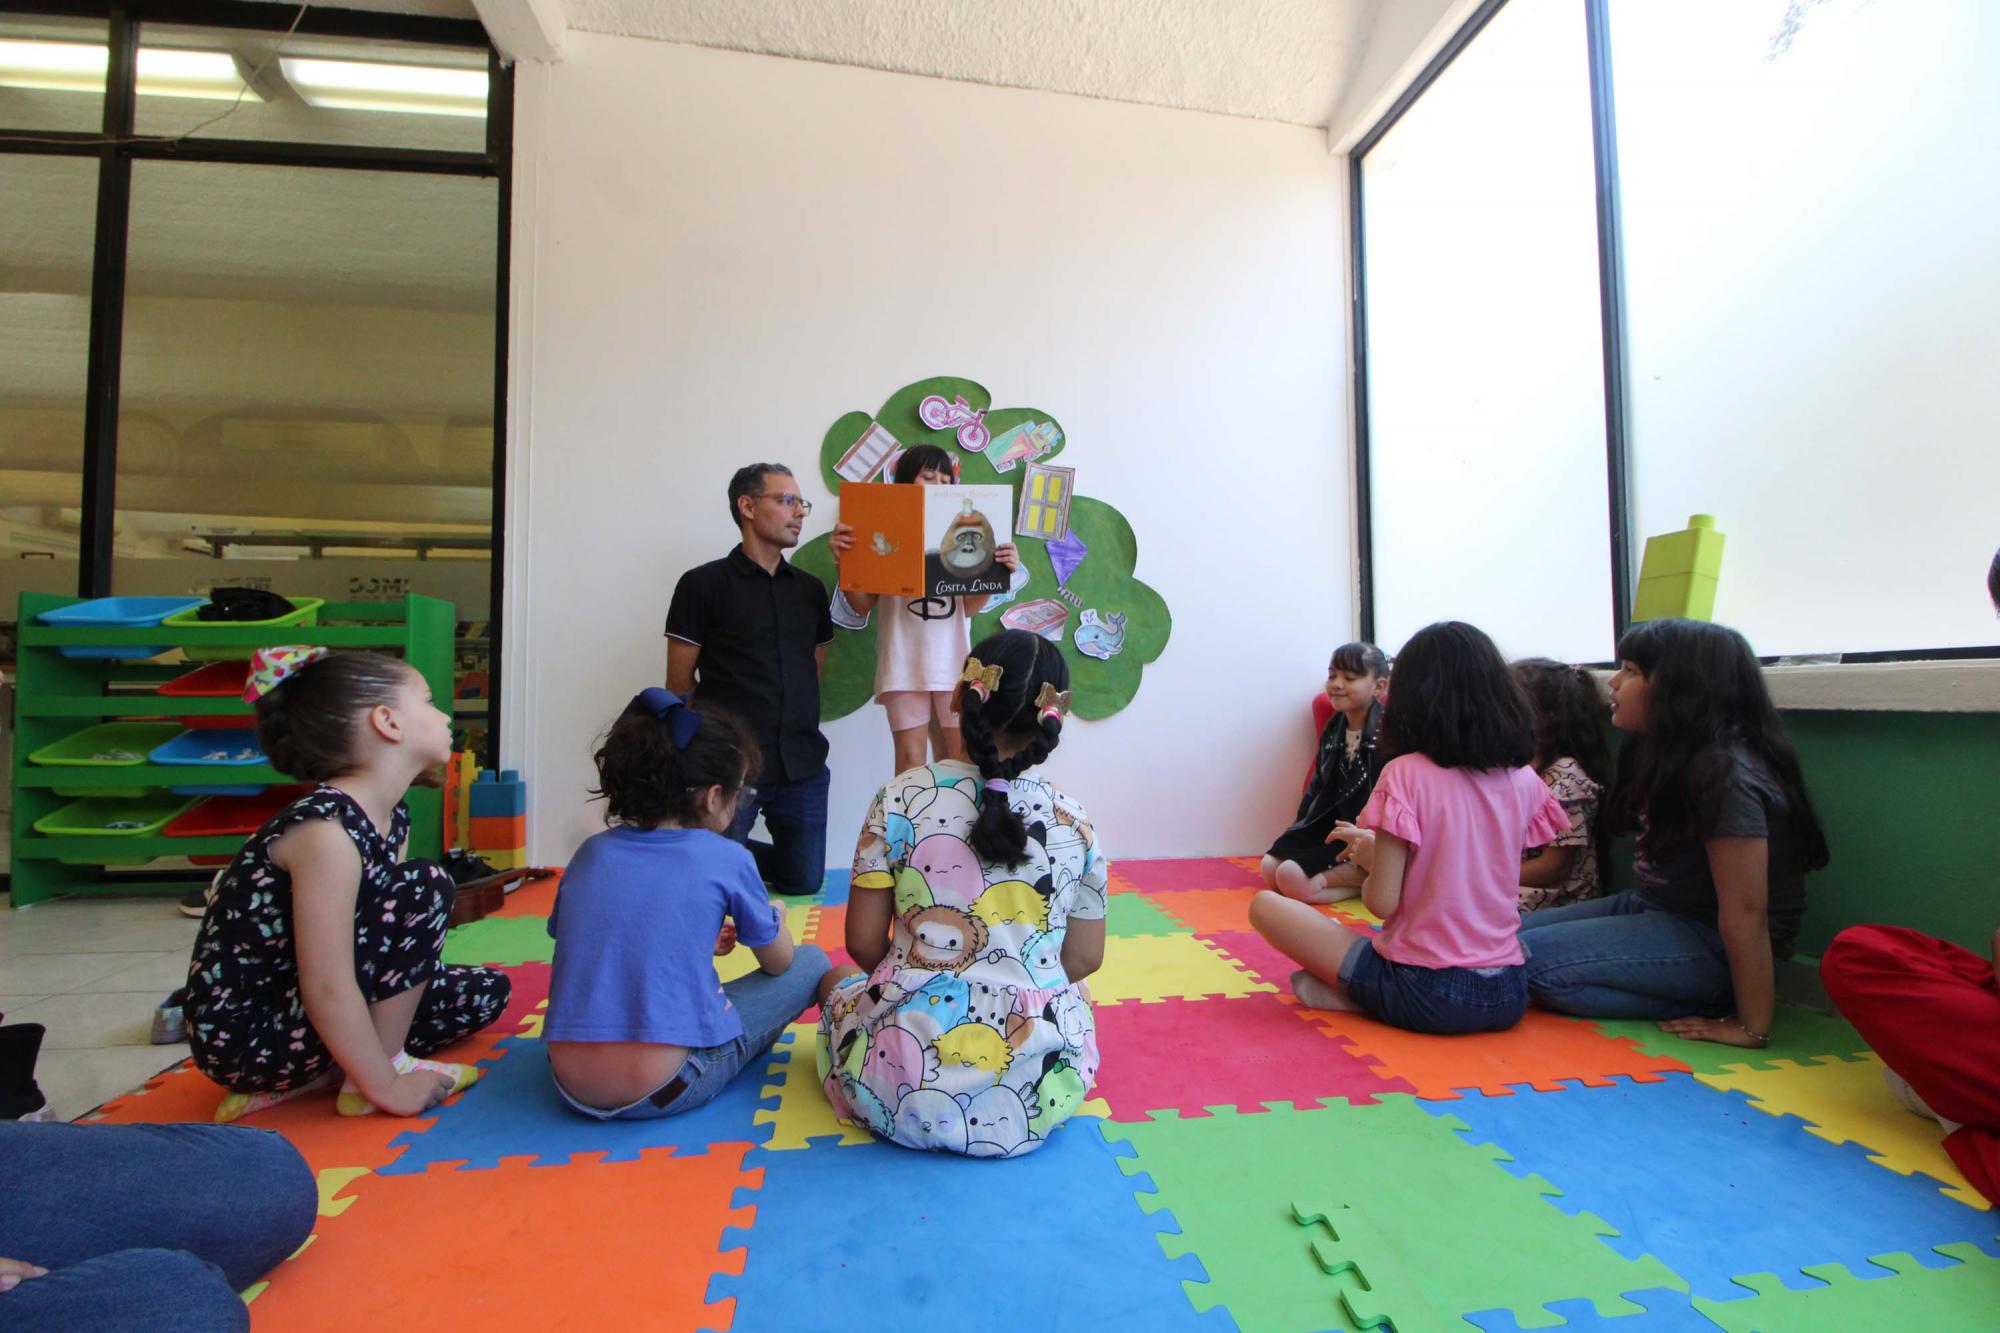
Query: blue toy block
499, 796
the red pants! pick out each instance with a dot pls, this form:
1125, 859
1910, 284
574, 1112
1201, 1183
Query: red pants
1931, 1010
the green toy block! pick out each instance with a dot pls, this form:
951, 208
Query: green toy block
1678, 574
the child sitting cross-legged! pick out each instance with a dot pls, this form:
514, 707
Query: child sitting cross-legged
638, 1026
1441, 838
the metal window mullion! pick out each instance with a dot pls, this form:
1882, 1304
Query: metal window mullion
107, 312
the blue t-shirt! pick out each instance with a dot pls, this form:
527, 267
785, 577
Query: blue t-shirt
635, 922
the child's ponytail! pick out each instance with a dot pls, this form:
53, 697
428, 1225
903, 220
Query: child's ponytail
1015, 683
310, 702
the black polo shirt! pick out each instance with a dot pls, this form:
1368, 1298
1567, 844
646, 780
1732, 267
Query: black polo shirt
757, 633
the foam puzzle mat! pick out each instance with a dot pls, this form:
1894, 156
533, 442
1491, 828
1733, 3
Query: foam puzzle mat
1242, 1163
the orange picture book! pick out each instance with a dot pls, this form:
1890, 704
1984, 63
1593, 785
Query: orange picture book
925, 541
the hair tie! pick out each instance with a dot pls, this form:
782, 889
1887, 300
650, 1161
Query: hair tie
1051, 703
980, 678
272, 667
1000, 786
669, 708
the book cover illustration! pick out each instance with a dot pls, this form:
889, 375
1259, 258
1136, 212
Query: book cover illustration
926, 541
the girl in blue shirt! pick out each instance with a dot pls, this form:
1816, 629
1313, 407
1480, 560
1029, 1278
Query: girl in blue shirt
638, 1026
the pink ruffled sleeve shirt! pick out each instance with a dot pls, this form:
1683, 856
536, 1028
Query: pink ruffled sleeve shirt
1466, 828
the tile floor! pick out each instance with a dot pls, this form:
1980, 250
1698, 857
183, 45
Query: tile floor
91, 971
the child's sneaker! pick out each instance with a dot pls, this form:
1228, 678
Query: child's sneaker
169, 1026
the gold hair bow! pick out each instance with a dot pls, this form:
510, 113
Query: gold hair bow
981, 677
1051, 702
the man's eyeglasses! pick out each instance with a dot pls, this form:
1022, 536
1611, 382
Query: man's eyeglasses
788, 500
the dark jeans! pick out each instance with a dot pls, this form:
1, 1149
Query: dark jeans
146, 1226
794, 860
1442, 1001
1623, 957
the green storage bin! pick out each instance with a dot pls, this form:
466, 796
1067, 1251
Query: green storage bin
305, 612
96, 817
107, 745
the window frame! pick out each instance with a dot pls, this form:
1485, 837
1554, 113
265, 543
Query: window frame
115, 148
1613, 315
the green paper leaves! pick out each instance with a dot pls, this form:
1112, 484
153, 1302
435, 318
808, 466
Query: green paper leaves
1105, 582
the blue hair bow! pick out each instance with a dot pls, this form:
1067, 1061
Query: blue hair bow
669, 707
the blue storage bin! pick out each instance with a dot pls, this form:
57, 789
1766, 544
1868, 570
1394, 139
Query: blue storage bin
119, 612
226, 789
216, 745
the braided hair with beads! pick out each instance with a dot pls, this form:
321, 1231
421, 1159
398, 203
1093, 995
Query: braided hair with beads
1010, 709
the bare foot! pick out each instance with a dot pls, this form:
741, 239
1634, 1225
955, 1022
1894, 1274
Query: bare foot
1316, 994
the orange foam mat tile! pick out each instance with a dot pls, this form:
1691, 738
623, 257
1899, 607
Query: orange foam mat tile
1542, 1051
587, 1245
535, 898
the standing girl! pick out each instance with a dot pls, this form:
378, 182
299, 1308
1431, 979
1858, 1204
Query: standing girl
920, 642
1307, 862
1573, 758
638, 1027
1441, 839
319, 954
977, 909
1726, 836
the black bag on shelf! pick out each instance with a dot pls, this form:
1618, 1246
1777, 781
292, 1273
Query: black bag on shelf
229, 604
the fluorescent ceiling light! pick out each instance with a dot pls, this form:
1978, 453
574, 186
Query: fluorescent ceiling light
362, 85
78, 67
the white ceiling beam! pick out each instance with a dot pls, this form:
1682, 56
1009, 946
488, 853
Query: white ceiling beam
524, 29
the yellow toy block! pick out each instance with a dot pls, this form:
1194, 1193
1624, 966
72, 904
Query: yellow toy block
1678, 573
506, 858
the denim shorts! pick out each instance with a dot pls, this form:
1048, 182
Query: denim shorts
1440, 1000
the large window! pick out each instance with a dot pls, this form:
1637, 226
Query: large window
1484, 379
1781, 273
251, 286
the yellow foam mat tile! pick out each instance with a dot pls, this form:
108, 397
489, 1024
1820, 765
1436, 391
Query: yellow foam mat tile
1847, 1102
1150, 968
802, 1113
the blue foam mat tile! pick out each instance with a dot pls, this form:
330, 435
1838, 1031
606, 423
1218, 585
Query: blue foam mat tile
514, 1112
856, 1235
832, 889
1665, 1312
1713, 1187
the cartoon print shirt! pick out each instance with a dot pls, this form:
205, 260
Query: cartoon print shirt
969, 1037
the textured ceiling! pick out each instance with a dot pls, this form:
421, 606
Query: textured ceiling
1282, 60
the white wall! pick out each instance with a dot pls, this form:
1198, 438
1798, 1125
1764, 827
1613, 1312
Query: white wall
717, 254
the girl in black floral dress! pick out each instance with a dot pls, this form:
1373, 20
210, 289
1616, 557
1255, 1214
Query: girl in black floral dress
319, 954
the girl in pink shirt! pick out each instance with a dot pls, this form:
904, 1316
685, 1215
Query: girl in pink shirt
1441, 839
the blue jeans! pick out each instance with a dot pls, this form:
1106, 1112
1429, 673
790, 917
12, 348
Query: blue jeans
1443, 1001
794, 860
146, 1226
1623, 957
766, 1005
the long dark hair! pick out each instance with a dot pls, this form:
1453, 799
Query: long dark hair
307, 722
1571, 715
645, 779
1707, 696
1455, 701
1027, 662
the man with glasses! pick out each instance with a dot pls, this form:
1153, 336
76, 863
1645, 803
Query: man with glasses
754, 631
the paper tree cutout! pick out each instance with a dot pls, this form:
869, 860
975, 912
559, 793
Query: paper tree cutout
1105, 581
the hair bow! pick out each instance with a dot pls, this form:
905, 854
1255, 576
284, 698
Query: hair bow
1051, 702
272, 667
981, 677
671, 709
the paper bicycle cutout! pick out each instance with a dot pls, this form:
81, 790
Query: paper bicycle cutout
969, 421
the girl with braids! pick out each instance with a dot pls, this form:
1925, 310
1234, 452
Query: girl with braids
977, 910
318, 958
1574, 759
1726, 836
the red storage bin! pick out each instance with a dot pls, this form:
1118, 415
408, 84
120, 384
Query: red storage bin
233, 816
217, 680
